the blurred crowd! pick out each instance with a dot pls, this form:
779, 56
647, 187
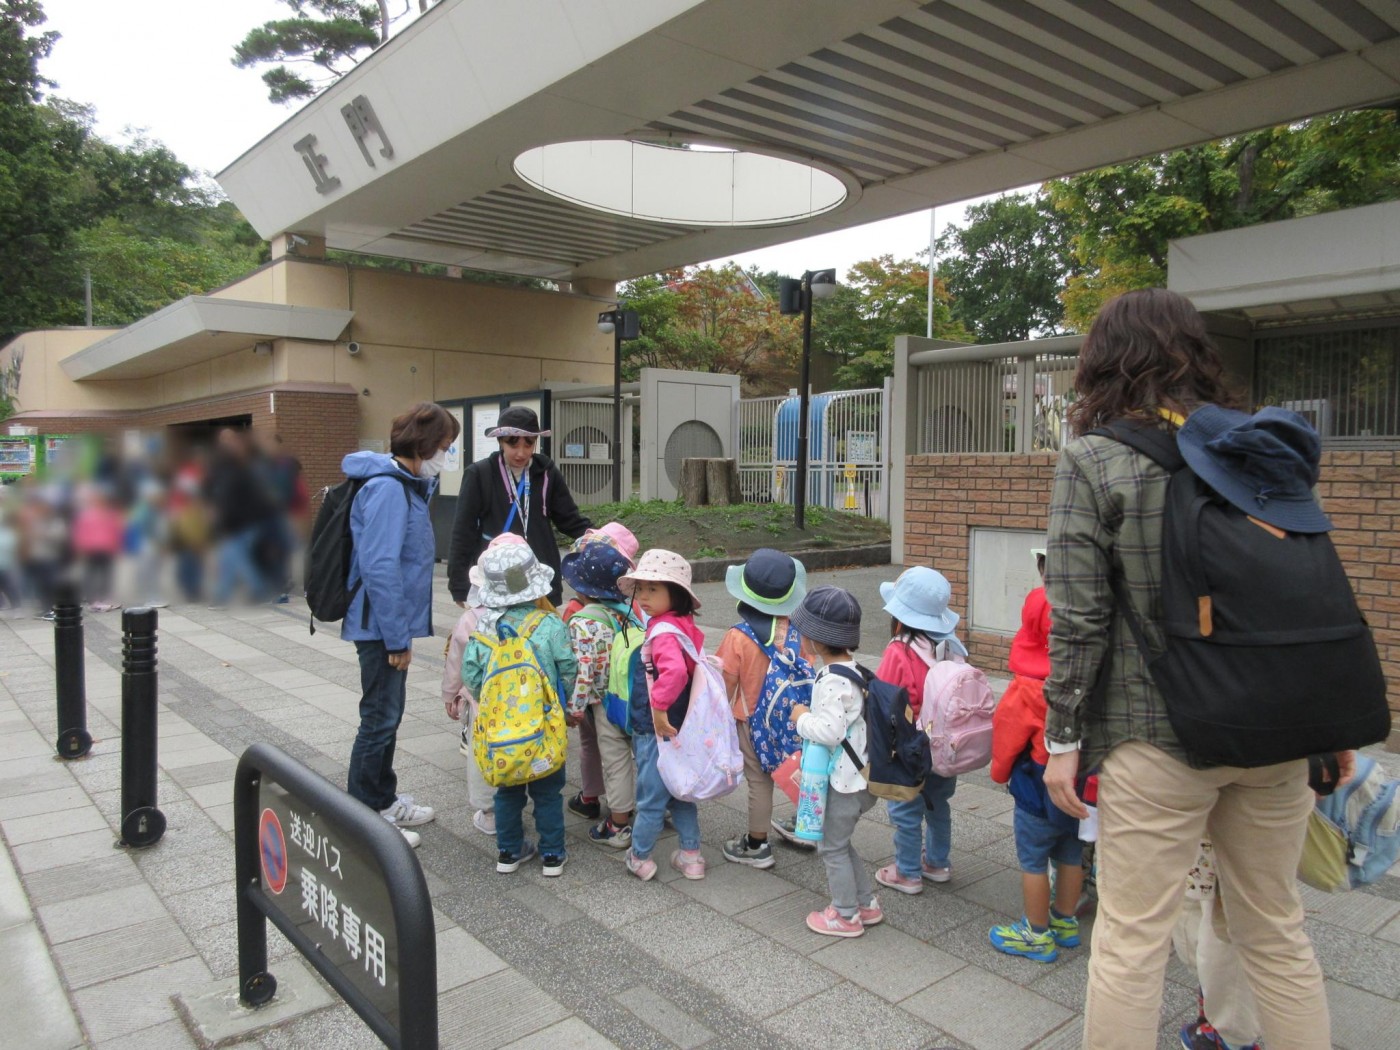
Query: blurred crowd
140, 524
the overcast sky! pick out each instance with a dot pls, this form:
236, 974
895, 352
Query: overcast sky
164, 66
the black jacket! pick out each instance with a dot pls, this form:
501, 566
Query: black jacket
483, 504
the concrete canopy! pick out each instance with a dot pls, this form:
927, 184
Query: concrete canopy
412, 154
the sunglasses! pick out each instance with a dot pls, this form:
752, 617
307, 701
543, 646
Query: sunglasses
516, 442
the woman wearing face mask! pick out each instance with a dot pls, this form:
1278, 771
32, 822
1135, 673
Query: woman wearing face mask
517, 489
391, 578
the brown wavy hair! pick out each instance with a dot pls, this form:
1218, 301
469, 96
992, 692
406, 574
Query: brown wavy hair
420, 432
1146, 349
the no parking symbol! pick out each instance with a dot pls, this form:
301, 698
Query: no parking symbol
274, 852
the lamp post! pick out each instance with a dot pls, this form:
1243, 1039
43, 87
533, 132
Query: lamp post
795, 296
620, 324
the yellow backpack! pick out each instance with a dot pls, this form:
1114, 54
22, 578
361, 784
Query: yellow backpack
520, 734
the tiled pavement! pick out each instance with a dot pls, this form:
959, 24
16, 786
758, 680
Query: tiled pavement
94, 940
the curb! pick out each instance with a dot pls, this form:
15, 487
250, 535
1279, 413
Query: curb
712, 570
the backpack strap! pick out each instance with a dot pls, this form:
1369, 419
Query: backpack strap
1146, 437
670, 628
858, 677
772, 652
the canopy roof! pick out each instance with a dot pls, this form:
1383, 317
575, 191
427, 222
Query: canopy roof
486, 134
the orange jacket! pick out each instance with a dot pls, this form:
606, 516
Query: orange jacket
1019, 720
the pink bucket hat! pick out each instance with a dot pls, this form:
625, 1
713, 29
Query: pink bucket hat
662, 567
615, 534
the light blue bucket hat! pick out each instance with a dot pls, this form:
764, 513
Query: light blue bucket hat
919, 599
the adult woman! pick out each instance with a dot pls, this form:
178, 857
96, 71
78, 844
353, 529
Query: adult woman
515, 489
1147, 356
391, 578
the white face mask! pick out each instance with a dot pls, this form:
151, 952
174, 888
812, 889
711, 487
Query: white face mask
431, 468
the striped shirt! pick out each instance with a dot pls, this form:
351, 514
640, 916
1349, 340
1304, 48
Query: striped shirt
1106, 513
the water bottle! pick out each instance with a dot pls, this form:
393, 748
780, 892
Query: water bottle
811, 791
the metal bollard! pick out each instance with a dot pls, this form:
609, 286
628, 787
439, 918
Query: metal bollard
142, 823
74, 740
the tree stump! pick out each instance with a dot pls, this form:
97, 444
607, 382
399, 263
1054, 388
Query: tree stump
710, 482
694, 487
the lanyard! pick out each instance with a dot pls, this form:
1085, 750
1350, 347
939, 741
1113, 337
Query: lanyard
519, 497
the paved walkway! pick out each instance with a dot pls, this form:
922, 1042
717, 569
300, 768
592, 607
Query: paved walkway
95, 940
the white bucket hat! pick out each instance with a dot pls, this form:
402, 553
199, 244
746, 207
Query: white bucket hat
662, 567
510, 575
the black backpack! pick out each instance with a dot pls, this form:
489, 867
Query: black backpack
1268, 658
900, 760
329, 549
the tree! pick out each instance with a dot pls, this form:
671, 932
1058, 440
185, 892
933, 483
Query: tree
1124, 216
327, 35
1005, 269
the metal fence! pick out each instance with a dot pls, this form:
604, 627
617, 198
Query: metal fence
756, 427
583, 447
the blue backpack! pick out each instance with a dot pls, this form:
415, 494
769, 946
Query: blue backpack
899, 759
788, 682
1354, 833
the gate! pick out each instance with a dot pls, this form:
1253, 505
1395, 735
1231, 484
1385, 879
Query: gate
583, 446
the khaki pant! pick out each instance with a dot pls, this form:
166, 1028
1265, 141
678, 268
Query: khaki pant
760, 785
1153, 813
619, 769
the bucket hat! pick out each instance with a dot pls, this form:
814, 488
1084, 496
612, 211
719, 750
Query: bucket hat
829, 615
616, 533
592, 569
919, 599
772, 582
517, 421
662, 567
1265, 464
510, 575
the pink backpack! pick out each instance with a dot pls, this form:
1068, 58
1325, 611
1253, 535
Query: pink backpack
957, 715
703, 760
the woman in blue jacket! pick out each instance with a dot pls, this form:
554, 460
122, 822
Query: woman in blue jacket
391, 578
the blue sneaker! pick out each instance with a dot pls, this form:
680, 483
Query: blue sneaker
1019, 939
1065, 930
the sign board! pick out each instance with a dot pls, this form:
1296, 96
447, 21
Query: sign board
454, 450
599, 450
1002, 573
573, 451
484, 417
16, 456
850, 472
862, 446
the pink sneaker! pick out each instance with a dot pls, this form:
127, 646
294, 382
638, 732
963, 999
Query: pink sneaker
889, 876
689, 863
873, 915
831, 924
643, 869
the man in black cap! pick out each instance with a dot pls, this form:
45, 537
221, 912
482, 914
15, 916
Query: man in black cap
516, 489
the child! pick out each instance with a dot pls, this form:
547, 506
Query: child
1043, 832
98, 530
829, 618
585, 802
511, 583
769, 586
461, 705
593, 569
918, 604
661, 587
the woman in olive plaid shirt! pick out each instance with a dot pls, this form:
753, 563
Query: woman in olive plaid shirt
1148, 356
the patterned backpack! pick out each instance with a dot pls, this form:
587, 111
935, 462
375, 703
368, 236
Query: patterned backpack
520, 734
624, 661
956, 713
788, 682
703, 760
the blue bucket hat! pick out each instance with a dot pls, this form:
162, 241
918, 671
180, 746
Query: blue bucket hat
772, 582
1265, 464
593, 569
919, 599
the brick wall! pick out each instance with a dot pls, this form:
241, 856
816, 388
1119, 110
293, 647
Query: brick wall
947, 496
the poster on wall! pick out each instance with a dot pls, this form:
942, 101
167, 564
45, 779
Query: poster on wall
484, 417
454, 451
16, 456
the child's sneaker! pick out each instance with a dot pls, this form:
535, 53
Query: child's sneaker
1065, 930
584, 808
484, 822
788, 830
411, 837
553, 864
689, 863
744, 851
1019, 939
506, 862
465, 747
606, 833
831, 923
643, 869
1201, 1036
889, 876
406, 814
872, 915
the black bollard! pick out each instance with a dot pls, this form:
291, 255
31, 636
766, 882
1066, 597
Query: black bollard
142, 823
74, 740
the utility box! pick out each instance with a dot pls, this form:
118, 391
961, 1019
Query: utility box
684, 415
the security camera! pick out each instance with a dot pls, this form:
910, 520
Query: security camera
352, 348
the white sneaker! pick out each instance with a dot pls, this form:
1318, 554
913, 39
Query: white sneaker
484, 822
405, 814
412, 837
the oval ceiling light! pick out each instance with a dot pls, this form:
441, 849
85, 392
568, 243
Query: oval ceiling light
686, 183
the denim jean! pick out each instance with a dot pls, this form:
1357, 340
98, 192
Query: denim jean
548, 795
382, 695
653, 800
237, 560
931, 811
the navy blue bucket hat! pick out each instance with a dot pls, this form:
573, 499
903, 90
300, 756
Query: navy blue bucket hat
592, 570
772, 582
1265, 464
829, 615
